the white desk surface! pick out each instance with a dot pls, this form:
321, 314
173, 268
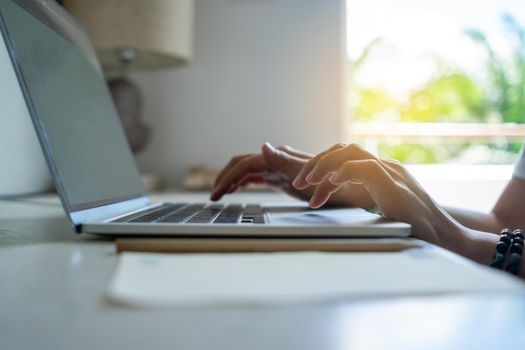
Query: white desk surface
52, 283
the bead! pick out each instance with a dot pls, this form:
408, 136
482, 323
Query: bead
514, 259
497, 265
513, 266
516, 248
498, 260
498, 256
509, 249
506, 231
501, 247
505, 239
518, 234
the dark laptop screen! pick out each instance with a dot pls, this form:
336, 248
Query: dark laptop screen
73, 112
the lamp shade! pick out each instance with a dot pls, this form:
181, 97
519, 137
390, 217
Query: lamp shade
156, 33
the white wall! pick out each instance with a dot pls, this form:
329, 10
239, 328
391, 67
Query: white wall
263, 70
23, 169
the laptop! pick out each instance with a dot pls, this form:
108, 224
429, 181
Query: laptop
91, 163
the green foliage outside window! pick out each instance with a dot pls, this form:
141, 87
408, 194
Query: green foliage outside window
453, 96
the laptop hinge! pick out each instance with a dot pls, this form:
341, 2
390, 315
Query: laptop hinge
107, 212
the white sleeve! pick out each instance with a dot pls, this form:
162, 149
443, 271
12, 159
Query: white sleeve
519, 169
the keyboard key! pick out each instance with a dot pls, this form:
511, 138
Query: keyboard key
258, 219
205, 215
181, 215
198, 214
155, 214
230, 215
130, 217
253, 209
252, 218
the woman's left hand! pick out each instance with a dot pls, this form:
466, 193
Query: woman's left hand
393, 189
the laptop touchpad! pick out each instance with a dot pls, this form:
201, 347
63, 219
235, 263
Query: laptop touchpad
323, 217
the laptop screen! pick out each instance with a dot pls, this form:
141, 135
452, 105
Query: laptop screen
75, 118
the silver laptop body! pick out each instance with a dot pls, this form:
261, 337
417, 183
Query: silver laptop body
90, 160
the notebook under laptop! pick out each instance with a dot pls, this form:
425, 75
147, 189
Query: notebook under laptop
92, 166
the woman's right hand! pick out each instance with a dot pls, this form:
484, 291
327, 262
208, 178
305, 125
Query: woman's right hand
278, 167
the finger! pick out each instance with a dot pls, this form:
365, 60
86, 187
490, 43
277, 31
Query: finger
249, 165
251, 179
231, 189
394, 167
259, 179
284, 165
374, 177
331, 162
230, 165
300, 181
282, 162
362, 171
322, 194
296, 153
400, 172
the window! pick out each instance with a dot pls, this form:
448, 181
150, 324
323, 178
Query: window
438, 81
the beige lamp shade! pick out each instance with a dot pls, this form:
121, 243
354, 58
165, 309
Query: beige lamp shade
144, 33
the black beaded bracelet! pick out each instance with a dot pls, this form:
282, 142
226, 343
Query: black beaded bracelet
509, 249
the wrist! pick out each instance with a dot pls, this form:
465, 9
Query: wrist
441, 229
438, 227
475, 245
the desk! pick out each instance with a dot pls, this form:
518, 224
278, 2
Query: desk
52, 283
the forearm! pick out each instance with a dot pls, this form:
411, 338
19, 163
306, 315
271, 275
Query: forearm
475, 245
398, 196
508, 211
476, 220
481, 247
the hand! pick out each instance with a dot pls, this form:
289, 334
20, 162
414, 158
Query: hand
278, 167
275, 167
390, 186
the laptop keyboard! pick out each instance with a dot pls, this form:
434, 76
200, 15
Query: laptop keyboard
199, 214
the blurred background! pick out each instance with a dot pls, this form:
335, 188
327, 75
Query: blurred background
261, 70
422, 81
439, 85
438, 81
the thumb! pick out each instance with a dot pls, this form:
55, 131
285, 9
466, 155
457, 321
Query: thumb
281, 161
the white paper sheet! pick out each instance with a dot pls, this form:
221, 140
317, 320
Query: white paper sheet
189, 280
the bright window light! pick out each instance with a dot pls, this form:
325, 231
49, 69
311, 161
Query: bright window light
435, 81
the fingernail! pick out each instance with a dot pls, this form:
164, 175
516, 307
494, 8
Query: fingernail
215, 192
313, 205
297, 182
270, 147
309, 177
